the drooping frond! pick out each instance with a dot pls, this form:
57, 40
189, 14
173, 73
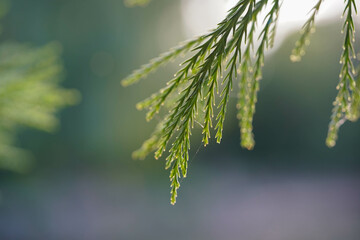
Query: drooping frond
195, 85
150, 145
228, 51
348, 91
308, 28
211, 53
155, 63
354, 112
252, 85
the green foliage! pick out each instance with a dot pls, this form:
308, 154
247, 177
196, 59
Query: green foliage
227, 51
132, 3
29, 95
308, 28
346, 105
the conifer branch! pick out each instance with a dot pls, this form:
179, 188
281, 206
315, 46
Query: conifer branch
215, 53
246, 117
163, 59
307, 29
347, 85
355, 104
228, 50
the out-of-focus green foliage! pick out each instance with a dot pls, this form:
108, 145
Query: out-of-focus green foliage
4, 8
29, 95
132, 3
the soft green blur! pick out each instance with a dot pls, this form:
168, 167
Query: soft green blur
132, 3
83, 183
30, 94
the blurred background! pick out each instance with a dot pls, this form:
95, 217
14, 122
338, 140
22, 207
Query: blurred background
83, 184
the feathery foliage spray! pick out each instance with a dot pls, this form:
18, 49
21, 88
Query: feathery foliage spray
228, 51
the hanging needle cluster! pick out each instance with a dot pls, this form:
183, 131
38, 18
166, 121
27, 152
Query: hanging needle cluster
233, 51
346, 104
